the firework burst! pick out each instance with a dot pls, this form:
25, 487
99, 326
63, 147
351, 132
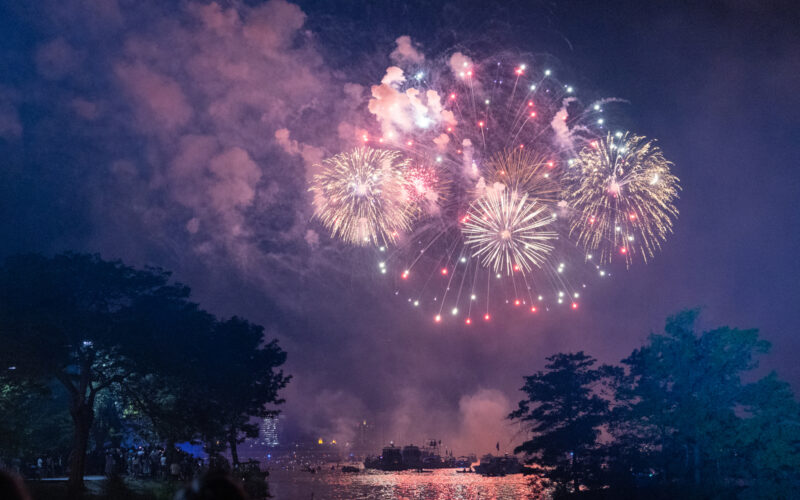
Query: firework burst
425, 189
525, 172
499, 144
360, 197
507, 190
622, 193
509, 231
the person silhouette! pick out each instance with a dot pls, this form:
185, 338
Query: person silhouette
11, 488
213, 486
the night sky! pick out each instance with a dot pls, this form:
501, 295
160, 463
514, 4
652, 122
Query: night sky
181, 136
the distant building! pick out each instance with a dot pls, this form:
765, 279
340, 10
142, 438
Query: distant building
268, 432
365, 441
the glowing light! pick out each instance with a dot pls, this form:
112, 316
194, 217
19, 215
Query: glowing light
477, 216
507, 228
486, 317
358, 196
613, 189
574, 305
437, 318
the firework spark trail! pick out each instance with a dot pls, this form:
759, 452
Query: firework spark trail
359, 196
509, 232
532, 173
512, 132
623, 194
495, 188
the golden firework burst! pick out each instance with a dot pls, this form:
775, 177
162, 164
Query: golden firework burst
622, 195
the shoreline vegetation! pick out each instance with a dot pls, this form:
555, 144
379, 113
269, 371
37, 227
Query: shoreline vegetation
99, 355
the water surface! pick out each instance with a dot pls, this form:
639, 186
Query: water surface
443, 484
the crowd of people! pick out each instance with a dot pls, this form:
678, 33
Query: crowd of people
147, 462
42, 466
196, 478
141, 462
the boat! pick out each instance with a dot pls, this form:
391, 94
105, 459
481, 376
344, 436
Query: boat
350, 469
466, 462
413, 457
391, 459
491, 465
432, 457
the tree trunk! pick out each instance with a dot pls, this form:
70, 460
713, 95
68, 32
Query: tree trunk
82, 416
234, 453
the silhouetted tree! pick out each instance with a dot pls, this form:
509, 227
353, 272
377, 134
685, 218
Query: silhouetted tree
679, 400
62, 319
244, 381
769, 440
684, 414
95, 325
33, 420
169, 389
564, 411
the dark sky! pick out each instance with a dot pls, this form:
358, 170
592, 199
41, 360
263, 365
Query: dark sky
147, 132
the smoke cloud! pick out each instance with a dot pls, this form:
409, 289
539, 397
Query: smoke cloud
187, 133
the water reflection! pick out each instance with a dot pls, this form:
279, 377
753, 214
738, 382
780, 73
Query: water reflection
443, 484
